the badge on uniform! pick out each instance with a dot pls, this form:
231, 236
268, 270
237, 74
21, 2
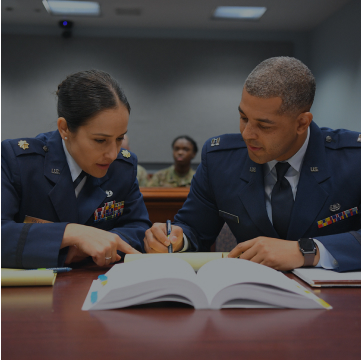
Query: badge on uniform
109, 211
23, 144
126, 153
215, 141
337, 217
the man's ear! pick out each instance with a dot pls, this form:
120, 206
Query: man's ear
303, 122
63, 128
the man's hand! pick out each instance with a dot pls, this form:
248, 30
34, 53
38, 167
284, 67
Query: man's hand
101, 245
156, 240
275, 253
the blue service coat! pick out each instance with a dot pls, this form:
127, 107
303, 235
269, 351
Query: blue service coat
228, 186
36, 181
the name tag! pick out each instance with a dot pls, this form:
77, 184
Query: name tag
34, 220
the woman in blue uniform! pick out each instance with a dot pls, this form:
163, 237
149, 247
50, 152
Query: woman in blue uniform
72, 193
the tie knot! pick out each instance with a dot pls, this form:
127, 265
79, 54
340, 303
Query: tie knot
281, 168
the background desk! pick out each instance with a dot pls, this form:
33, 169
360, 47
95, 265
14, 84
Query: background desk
163, 203
47, 323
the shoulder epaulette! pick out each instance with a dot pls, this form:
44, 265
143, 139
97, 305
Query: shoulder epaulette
25, 146
127, 156
341, 138
225, 142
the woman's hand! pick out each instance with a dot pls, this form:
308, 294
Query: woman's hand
101, 245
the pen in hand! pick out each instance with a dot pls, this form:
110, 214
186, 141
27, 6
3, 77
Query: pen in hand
169, 230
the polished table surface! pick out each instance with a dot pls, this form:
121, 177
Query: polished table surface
47, 323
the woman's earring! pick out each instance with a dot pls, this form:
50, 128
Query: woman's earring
66, 138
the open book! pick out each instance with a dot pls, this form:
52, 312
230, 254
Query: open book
222, 283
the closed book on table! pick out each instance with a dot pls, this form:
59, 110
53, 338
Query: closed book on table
318, 277
20, 277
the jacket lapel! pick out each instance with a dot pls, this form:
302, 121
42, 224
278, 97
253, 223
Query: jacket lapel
311, 195
91, 197
56, 169
252, 196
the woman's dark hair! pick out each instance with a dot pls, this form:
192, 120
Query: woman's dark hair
84, 94
186, 137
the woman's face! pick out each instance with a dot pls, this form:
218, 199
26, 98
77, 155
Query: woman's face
95, 145
183, 152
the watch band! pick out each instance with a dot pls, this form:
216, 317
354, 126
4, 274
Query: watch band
308, 249
309, 258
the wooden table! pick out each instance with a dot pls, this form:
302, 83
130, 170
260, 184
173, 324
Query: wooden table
47, 323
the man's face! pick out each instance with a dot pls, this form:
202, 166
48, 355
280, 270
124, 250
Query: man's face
268, 135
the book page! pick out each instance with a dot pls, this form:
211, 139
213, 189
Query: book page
149, 268
151, 279
196, 260
219, 274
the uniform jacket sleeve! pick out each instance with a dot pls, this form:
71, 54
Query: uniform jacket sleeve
24, 245
199, 217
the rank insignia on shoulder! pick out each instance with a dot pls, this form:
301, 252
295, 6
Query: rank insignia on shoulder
215, 141
338, 217
109, 211
126, 153
359, 138
23, 144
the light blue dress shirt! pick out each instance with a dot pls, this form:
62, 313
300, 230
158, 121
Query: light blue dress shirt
75, 170
326, 261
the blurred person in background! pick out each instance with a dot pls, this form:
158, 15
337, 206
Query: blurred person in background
142, 174
181, 173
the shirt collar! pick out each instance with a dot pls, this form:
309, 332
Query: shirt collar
74, 168
295, 161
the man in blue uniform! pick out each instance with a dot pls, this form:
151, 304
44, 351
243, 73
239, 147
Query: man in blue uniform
289, 191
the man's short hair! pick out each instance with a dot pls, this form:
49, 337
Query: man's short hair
284, 77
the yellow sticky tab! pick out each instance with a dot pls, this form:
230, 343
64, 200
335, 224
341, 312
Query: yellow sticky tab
324, 303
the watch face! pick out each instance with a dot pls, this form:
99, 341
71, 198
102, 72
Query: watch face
307, 245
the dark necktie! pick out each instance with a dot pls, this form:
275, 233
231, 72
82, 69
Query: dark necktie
281, 201
79, 179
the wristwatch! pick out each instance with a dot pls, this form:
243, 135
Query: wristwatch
308, 249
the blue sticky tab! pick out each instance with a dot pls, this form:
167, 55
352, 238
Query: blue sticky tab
94, 297
103, 277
